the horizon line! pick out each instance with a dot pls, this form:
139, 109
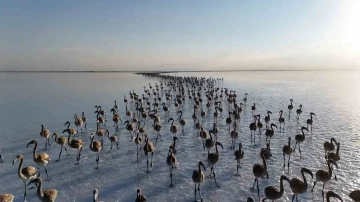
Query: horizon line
164, 71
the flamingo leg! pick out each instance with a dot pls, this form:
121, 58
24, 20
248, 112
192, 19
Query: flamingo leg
284, 160
137, 153
215, 178
195, 191
313, 186
147, 163
66, 150
111, 146
201, 198
257, 186
25, 190
237, 166
171, 175
289, 163
152, 154
48, 178
60, 153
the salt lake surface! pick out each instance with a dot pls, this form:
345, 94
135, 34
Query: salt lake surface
31, 99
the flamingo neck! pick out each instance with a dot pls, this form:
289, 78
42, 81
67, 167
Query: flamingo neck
330, 170
264, 163
39, 190
303, 133
281, 187
34, 151
20, 168
91, 143
304, 179
69, 139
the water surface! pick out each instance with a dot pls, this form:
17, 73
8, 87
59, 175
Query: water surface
31, 99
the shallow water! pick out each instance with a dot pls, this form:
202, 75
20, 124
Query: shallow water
31, 99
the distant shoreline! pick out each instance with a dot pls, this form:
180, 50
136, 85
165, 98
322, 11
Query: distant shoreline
164, 72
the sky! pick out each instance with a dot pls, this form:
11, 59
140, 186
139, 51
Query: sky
179, 35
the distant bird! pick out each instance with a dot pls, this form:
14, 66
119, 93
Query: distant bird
300, 138
290, 107
84, 119
253, 127
269, 133
260, 170
281, 120
76, 144
267, 118
245, 99
26, 173
48, 195
6, 198
148, 148
287, 150
324, 176
138, 141
298, 112
310, 121
45, 134
329, 146
61, 141
78, 123
171, 161
113, 139
265, 151
130, 127
239, 154
273, 193
331, 194
40, 159
213, 158
182, 121
116, 106
139, 196
198, 177
173, 145
96, 195
299, 186
173, 128
250, 199
70, 131
253, 108
355, 195
95, 146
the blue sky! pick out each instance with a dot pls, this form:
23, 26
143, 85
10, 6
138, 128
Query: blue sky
181, 35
